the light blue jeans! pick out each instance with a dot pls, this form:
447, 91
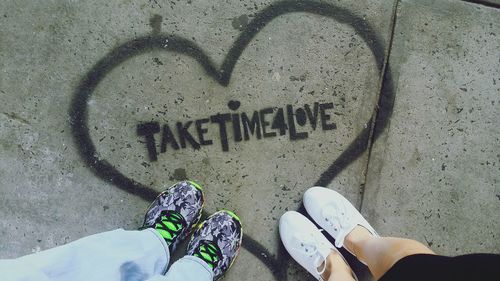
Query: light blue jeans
117, 255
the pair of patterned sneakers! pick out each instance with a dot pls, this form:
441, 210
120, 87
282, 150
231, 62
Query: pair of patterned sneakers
176, 212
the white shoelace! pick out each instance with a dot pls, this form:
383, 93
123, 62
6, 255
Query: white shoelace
335, 217
310, 245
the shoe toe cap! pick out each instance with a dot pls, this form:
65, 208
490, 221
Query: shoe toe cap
293, 222
288, 223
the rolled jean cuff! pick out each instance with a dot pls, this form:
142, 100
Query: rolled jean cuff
164, 245
190, 268
201, 262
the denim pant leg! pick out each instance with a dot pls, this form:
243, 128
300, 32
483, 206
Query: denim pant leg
189, 268
117, 255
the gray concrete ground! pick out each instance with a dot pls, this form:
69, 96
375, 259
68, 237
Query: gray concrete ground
84, 83
434, 174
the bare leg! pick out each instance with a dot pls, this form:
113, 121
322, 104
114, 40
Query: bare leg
381, 253
336, 269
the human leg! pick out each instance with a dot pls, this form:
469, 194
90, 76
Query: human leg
390, 258
381, 253
340, 218
440, 268
118, 255
113, 255
124, 255
337, 269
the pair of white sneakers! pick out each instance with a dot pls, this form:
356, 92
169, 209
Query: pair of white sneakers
305, 242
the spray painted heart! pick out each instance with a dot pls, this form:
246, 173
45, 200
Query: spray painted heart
79, 112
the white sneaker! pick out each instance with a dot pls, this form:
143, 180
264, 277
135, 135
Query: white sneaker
334, 213
305, 243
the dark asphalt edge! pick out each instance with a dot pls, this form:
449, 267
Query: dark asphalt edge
483, 3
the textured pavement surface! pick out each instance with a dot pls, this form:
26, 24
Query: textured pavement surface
434, 175
395, 104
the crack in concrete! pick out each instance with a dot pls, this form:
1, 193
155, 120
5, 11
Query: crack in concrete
381, 88
15, 117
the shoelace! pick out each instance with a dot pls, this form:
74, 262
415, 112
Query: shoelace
170, 224
310, 245
209, 252
335, 217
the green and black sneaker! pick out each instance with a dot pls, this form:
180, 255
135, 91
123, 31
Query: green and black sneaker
217, 241
175, 211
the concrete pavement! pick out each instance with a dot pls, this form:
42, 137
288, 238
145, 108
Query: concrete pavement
104, 104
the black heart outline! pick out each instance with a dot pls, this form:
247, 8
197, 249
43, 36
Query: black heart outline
102, 169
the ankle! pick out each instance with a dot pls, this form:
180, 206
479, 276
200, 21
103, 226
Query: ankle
335, 264
355, 240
